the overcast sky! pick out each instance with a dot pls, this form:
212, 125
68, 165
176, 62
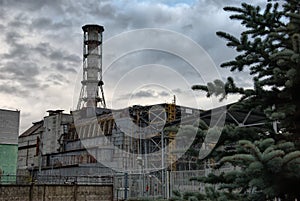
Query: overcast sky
41, 52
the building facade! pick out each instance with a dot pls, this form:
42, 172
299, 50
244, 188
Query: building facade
139, 141
9, 131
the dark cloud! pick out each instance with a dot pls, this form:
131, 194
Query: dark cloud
29, 55
33, 85
163, 93
57, 79
42, 23
42, 48
148, 57
58, 55
72, 58
144, 94
12, 90
42, 42
63, 68
147, 93
2, 27
17, 51
133, 16
24, 75
16, 21
19, 70
48, 24
101, 9
31, 5
12, 36
178, 90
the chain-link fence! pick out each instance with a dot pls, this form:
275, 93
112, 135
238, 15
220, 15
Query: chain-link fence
138, 186
180, 181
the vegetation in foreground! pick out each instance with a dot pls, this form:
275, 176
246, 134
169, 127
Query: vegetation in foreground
267, 158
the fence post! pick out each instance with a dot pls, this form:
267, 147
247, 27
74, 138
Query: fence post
125, 185
168, 184
75, 191
31, 192
44, 193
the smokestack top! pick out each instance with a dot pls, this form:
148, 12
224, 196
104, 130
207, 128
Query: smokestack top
93, 26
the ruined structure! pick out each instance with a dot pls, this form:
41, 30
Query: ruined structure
135, 148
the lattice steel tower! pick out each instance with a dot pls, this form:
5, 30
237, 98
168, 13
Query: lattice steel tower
92, 85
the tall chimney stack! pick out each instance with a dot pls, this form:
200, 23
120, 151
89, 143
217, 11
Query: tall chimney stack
92, 94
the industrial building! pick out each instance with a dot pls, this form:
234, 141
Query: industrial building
43, 134
9, 132
77, 148
132, 147
62, 146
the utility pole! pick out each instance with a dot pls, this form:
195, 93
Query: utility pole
125, 185
162, 165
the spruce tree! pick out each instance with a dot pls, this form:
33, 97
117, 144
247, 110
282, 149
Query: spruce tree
266, 159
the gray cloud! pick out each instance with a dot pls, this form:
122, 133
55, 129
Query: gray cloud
147, 93
24, 75
17, 70
12, 36
63, 68
48, 24
178, 90
16, 91
144, 94
103, 9
31, 5
163, 94
57, 79
25, 114
42, 48
18, 51
16, 21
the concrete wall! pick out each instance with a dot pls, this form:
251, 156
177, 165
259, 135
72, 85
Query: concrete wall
27, 158
54, 126
56, 192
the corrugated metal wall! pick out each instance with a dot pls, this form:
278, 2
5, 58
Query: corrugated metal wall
9, 126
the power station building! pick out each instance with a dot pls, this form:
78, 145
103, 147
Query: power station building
94, 144
64, 148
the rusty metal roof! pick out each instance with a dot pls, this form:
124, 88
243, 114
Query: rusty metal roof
32, 129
